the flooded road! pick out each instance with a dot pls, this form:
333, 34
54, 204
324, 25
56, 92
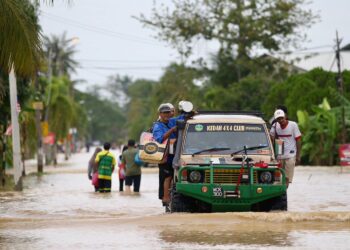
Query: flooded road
59, 210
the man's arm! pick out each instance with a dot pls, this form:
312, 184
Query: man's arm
159, 135
272, 134
97, 160
169, 132
123, 159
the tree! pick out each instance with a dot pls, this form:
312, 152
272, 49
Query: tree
139, 110
105, 119
60, 51
61, 107
320, 133
24, 94
20, 43
302, 91
176, 84
238, 26
117, 87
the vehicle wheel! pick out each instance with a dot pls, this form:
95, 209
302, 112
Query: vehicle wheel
179, 203
277, 203
280, 203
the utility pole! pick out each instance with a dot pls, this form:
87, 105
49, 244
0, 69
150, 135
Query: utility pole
16, 146
39, 140
47, 147
340, 84
38, 106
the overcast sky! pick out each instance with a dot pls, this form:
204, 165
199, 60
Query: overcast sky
112, 42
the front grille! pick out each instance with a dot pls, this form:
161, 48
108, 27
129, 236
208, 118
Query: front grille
227, 176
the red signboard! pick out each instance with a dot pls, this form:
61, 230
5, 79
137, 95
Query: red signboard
344, 154
49, 139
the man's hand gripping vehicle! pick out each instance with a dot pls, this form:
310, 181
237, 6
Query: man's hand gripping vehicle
226, 162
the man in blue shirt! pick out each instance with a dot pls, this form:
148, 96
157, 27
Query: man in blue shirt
163, 129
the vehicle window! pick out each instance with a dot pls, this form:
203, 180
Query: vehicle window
225, 135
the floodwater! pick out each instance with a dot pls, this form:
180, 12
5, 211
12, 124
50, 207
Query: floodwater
59, 210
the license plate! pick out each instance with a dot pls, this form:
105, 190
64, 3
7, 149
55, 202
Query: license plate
217, 191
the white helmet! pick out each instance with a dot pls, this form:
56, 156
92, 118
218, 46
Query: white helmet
185, 106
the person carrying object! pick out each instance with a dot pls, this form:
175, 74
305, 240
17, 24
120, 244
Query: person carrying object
91, 169
164, 129
105, 162
289, 132
133, 171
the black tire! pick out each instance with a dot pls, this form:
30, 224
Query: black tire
280, 203
179, 203
277, 203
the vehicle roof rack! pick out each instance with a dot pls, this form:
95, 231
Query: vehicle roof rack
206, 112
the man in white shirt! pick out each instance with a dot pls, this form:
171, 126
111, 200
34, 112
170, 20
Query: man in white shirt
289, 132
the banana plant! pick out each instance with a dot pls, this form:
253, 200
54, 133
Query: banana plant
320, 132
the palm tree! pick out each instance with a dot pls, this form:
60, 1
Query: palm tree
59, 50
20, 36
62, 111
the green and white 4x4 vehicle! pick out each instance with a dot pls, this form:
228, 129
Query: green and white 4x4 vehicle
226, 162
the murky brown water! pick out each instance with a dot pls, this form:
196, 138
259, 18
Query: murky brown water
60, 211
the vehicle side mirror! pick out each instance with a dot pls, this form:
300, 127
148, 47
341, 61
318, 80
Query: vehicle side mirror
180, 124
279, 147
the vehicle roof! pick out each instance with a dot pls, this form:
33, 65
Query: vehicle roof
214, 118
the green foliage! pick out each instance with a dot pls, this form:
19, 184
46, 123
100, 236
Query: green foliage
105, 120
217, 98
28, 132
176, 84
20, 37
59, 52
227, 70
300, 92
237, 26
117, 87
138, 114
141, 98
60, 107
246, 94
320, 132
249, 92
80, 120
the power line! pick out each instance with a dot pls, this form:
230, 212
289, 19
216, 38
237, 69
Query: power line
121, 68
121, 61
99, 30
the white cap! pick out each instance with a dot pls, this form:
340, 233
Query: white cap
279, 113
170, 105
164, 107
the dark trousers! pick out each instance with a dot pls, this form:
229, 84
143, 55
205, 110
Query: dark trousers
165, 170
104, 186
121, 185
134, 180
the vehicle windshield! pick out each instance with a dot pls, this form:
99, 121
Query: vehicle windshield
225, 136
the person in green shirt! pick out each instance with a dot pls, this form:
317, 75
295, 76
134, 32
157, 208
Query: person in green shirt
133, 171
105, 162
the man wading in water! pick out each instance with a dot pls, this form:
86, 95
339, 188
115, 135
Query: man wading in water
105, 162
289, 132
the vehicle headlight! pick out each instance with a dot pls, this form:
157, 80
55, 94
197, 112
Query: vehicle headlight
266, 177
195, 176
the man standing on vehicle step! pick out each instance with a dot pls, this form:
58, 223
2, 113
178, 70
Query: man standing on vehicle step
289, 132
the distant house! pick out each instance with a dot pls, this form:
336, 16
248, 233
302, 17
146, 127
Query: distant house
325, 59
282, 65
